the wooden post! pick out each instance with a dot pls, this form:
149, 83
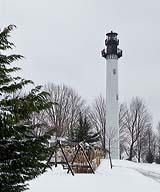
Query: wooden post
55, 158
86, 157
110, 154
69, 167
49, 160
74, 158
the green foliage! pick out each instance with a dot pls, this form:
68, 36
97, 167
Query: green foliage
83, 131
22, 154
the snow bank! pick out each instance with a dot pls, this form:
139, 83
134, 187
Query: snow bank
124, 177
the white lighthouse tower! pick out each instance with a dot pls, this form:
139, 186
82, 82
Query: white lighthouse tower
112, 53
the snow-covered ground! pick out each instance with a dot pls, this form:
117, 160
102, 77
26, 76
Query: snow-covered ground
124, 177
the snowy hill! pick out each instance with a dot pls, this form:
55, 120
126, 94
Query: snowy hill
124, 177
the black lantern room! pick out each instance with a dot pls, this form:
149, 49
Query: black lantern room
111, 43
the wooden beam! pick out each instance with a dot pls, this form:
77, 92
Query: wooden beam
86, 157
69, 167
74, 157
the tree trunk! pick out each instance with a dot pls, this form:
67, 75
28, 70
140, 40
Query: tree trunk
131, 152
139, 158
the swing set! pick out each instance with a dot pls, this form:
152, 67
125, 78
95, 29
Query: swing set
75, 160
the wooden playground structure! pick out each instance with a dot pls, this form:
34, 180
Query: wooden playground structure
75, 157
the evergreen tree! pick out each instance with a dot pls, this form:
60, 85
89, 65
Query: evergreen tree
21, 153
83, 131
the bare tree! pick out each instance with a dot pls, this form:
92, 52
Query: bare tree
40, 123
137, 120
150, 147
141, 146
63, 116
123, 140
111, 139
98, 117
158, 143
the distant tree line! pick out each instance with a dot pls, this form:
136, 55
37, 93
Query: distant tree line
139, 141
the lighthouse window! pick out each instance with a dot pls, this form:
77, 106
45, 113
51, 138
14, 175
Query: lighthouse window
117, 97
114, 71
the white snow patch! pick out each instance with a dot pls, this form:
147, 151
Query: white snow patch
124, 177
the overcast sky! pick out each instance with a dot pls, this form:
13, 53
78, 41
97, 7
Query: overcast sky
62, 41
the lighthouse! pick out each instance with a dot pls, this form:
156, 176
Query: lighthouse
112, 53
